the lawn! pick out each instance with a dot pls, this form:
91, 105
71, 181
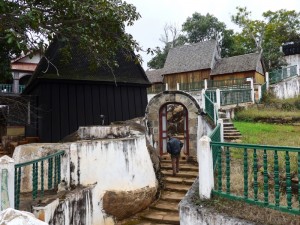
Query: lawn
269, 134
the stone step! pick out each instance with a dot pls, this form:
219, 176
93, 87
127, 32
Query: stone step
232, 137
232, 134
162, 217
228, 124
165, 206
187, 174
177, 187
179, 180
148, 223
172, 196
184, 167
168, 161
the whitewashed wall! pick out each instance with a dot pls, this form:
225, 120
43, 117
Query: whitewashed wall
289, 88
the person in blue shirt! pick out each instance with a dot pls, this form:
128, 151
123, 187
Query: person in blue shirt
174, 147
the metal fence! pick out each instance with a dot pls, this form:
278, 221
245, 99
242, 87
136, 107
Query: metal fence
230, 97
230, 83
283, 73
156, 88
53, 165
6, 88
193, 86
270, 175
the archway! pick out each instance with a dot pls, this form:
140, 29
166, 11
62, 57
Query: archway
155, 121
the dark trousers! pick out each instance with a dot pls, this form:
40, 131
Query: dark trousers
175, 163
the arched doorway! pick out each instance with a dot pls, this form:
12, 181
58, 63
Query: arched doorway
176, 124
156, 118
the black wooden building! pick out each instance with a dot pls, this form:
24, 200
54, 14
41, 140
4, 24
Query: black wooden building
66, 95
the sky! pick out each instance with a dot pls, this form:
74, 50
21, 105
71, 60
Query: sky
156, 13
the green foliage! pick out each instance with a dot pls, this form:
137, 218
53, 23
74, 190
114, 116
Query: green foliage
267, 35
97, 25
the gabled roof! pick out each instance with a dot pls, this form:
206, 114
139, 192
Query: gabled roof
191, 57
78, 68
155, 76
240, 63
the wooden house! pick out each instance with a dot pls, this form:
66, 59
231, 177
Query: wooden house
156, 79
66, 95
195, 62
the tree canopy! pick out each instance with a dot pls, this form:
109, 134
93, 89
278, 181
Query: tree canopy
97, 25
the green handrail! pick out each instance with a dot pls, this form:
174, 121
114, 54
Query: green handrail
56, 177
209, 108
215, 136
267, 171
212, 95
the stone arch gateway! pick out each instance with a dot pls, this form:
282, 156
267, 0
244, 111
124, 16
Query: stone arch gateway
193, 121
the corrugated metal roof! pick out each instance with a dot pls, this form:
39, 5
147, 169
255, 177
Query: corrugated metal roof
191, 57
240, 63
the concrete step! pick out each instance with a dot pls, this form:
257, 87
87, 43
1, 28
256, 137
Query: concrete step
179, 180
168, 161
232, 134
177, 187
228, 124
186, 174
184, 167
162, 217
172, 196
232, 137
165, 206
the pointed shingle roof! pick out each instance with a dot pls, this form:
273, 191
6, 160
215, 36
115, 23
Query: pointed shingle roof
155, 76
191, 57
240, 63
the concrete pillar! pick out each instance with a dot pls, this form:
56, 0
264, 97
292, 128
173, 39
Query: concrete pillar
206, 171
7, 179
203, 99
252, 88
216, 110
167, 87
16, 82
218, 96
259, 92
205, 84
178, 87
267, 80
220, 121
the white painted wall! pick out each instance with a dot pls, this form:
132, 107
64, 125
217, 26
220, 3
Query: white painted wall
288, 88
293, 60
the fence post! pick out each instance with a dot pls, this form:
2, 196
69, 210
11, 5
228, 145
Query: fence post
206, 172
177, 87
203, 99
220, 121
167, 87
205, 84
7, 181
252, 88
218, 97
267, 80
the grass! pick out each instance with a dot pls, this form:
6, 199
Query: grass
269, 134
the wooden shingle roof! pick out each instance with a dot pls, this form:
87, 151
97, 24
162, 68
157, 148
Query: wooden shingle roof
240, 63
191, 57
155, 76
78, 68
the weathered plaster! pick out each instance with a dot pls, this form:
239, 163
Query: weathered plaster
288, 88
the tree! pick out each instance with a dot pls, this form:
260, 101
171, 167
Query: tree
171, 38
97, 25
267, 35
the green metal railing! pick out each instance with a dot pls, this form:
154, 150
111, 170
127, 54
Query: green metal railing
230, 97
215, 136
21, 88
52, 163
7, 88
212, 95
210, 109
281, 74
270, 178
156, 88
230, 83
193, 86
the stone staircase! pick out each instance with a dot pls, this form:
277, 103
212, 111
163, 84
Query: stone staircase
165, 210
231, 134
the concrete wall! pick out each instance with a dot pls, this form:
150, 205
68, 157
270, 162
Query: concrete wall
288, 88
191, 214
115, 168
